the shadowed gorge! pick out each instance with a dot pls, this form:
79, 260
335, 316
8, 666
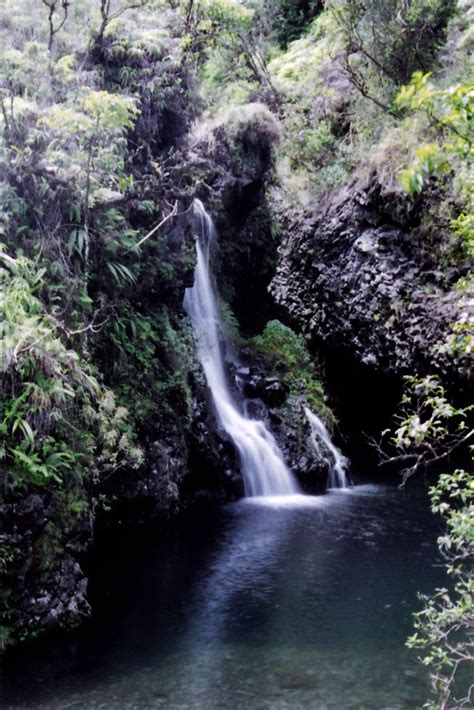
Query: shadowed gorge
236, 353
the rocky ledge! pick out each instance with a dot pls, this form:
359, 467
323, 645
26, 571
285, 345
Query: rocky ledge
354, 275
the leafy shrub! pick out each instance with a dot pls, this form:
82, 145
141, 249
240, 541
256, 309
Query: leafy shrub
385, 42
53, 415
43, 381
450, 115
248, 127
444, 625
430, 430
289, 358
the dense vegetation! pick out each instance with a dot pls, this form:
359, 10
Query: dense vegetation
90, 358
100, 161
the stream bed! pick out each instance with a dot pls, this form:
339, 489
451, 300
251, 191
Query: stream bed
290, 603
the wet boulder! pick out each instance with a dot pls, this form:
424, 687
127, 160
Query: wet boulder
272, 391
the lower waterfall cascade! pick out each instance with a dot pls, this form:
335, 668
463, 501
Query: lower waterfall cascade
321, 440
264, 470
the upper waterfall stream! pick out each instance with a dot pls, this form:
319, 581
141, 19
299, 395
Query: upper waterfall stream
264, 470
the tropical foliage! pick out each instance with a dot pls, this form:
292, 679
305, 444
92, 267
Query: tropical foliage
444, 626
431, 432
89, 366
97, 100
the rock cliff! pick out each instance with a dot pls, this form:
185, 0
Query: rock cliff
354, 275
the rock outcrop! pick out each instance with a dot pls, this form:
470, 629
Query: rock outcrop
44, 587
271, 400
354, 275
234, 157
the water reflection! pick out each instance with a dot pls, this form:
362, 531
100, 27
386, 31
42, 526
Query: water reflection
300, 603
236, 585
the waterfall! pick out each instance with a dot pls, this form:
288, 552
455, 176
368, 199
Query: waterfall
264, 470
322, 443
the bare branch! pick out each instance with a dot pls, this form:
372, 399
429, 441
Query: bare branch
171, 214
53, 6
108, 16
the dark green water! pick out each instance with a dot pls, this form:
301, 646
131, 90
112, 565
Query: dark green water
252, 606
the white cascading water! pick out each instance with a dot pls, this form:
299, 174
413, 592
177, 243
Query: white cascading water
264, 470
321, 440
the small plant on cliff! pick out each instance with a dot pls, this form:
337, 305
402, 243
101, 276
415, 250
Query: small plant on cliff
289, 358
445, 627
430, 430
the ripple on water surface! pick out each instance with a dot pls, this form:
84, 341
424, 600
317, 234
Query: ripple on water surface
290, 602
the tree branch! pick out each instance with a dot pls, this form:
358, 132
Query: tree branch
173, 213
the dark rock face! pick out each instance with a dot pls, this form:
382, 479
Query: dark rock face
61, 602
271, 390
212, 463
47, 542
292, 432
185, 464
236, 163
354, 275
151, 492
269, 399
